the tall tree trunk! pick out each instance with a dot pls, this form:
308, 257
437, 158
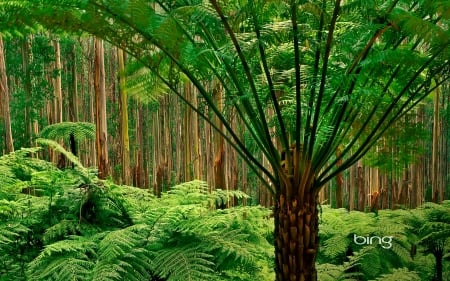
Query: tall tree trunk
100, 95
73, 92
361, 189
125, 140
435, 181
26, 59
339, 181
4, 94
57, 87
219, 146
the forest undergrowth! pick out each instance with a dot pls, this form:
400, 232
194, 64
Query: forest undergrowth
69, 225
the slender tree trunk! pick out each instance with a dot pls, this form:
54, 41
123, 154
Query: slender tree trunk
57, 87
339, 181
26, 59
188, 134
125, 139
361, 189
100, 94
435, 182
4, 94
73, 104
219, 159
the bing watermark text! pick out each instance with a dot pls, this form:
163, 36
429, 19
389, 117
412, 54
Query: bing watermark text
385, 241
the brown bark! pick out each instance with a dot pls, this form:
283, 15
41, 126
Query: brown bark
27, 57
361, 189
57, 88
73, 104
339, 181
125, 139
219, 159
100, 94
296, 234
4, 95
436, 178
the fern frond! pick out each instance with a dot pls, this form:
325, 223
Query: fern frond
62, 229
183, 263
400, 274
84, 172
79, 130
122, 253
70, 259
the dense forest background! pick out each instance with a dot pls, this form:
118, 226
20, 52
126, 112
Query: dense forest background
155, 141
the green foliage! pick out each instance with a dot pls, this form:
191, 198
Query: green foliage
80, 131
416, 234
79, 228
401, 274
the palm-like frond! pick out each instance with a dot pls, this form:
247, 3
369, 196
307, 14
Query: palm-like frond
183, 263
63, 259
79, 130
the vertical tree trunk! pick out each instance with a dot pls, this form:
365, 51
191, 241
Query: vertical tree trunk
26, 59
73, 104
339, 181
57, 87
138, 158
100, 94
188, 134
435, 182
196, 140
125, 140
296, 234
92, 105
4, 94
219, 159
361, 189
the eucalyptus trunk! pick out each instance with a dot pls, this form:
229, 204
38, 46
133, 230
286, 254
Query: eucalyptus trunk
4, 95
100, 117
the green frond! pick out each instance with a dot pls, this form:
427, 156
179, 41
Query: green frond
61, 230
142, 84
64, 259
400, 274
183, 263
330, 272
192, 192
122, 253
84, 172
79, 130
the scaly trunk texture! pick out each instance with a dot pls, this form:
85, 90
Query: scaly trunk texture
296, 235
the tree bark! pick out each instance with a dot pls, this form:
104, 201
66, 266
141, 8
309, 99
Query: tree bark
339, 181
100, 94
296, 234
4, 94
57, 84
125, 139
219, 145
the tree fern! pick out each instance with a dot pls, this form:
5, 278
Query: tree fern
401, 274
63, 260
122, 253
183, 263
80, 131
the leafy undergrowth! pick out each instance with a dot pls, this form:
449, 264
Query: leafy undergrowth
68, 225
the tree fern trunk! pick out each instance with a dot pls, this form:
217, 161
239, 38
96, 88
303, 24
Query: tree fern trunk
296, 235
